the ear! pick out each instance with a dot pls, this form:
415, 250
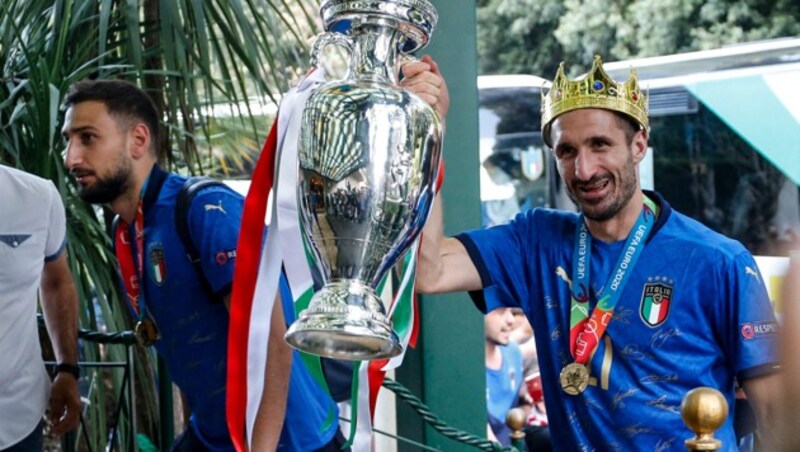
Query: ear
140, 140
639, 146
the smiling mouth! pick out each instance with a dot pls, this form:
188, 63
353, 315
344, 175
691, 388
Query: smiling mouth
595, 188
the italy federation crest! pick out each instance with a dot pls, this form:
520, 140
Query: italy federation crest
655, 303
158, 269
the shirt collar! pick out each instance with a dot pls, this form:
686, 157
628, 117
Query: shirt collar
153, 187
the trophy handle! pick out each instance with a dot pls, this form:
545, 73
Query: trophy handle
330, 38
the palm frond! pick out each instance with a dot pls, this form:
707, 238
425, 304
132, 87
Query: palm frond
191, 56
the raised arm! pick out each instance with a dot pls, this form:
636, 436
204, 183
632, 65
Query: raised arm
443, 263
272, 408
60, 308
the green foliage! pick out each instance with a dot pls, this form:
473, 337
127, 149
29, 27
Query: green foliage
191, 55
533, 36
516, 36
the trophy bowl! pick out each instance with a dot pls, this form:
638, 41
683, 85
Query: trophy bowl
369, 154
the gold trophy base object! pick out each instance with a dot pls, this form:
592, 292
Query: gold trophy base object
704, 410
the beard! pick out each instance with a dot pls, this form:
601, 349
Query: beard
107, 189
609, 207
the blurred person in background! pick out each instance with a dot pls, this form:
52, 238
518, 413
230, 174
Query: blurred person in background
33, 261
503, 372
531, 394
790, 354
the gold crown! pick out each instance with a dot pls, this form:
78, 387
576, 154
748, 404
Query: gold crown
596, 90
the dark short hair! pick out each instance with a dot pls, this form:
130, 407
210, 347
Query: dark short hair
121, 98
628, 125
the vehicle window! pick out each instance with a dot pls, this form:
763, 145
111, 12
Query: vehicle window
514, 166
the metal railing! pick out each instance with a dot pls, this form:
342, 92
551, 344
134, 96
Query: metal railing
442, 427
124, 399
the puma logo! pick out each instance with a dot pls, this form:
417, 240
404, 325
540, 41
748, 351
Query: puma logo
750, 271
216, 207
563, 275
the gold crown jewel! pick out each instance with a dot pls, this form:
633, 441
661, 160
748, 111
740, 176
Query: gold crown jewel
596, 90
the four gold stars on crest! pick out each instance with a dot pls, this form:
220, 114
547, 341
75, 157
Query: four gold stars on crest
662, 279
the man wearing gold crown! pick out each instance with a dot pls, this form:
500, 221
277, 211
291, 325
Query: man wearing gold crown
632, 303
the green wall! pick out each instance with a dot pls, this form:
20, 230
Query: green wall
447, 369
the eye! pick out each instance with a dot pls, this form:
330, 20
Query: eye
563, 152
600, 143
87, 138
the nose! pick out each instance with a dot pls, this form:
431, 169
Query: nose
72, 156
585, 165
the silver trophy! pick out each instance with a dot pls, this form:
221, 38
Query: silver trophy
368, 158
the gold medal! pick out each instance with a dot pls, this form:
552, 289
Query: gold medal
146, 332
574, 378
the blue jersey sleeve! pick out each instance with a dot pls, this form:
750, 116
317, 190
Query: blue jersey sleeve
214, 219
753, 337
502, 255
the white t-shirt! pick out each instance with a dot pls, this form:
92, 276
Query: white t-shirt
32, 231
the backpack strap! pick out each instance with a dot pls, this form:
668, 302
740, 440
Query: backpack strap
186, 195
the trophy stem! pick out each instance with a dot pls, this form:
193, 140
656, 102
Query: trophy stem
345, 320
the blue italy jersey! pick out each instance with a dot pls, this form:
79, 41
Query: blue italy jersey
194, 325
694, 312
502, 390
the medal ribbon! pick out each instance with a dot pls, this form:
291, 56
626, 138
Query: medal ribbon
132, 272
584, 331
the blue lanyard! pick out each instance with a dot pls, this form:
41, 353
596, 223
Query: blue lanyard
611, 292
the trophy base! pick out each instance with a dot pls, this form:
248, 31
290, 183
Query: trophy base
345, 320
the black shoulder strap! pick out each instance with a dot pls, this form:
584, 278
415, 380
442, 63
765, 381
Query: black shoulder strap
186, 195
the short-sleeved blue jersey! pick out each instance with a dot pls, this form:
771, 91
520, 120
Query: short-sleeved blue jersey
194, 326
694, 312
